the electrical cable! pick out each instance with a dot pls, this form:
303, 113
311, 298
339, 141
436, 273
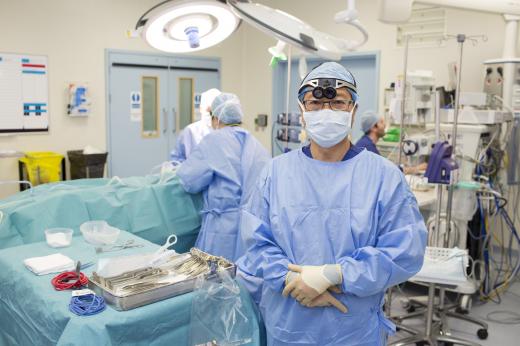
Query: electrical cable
497, 288
483, 151
87, 305
510, 317
69, 280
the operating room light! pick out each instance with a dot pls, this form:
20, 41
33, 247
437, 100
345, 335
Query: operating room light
202, 22
290, 29
181, 26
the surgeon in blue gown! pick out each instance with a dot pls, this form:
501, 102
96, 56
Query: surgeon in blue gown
224, 166
192, 134
329, 228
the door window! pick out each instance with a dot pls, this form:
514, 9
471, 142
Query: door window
186, 111
150, 86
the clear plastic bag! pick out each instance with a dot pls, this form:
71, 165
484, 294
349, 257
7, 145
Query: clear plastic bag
465, 202
218, 314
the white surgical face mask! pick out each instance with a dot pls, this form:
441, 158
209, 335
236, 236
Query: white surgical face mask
327, 127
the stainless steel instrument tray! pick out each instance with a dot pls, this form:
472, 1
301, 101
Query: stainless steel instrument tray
152, 295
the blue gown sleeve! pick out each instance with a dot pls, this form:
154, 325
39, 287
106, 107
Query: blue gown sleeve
264, 258
196, 173
399, 249
179, 153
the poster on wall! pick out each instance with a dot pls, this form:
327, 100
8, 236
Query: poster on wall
196, 105
24, 93
136, 106
79, 100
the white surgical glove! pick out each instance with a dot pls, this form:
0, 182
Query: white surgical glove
323, 300
326, 299
312, 281
319, 277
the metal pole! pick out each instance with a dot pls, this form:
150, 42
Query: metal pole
509, 52
435, 237
437, 116
460, 39
439, 187
288, 92
429, 310
442, 297
403, 100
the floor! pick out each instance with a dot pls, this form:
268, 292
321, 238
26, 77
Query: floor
499, 334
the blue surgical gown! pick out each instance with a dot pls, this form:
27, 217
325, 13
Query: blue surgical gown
358, 213
366, 142
189, 138
224, 166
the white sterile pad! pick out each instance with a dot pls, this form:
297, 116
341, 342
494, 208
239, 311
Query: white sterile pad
55, 263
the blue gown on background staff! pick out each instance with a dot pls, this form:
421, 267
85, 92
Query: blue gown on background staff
374, 127
224, 166
366, 143
192, 134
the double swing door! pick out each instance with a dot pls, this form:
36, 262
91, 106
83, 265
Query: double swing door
151, 98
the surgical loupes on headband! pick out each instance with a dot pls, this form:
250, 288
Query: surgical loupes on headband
326, 87
320, 92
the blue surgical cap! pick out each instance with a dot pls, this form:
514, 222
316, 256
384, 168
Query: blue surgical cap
368, 120
226, 107
329, 70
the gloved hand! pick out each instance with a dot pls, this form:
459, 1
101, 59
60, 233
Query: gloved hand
298, 289
326, 299
323, 300
312, 281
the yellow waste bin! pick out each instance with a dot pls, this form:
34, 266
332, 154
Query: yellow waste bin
42, 167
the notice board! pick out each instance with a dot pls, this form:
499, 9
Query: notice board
24, 93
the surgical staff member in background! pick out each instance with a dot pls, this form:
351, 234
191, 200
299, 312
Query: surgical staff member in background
224, 166
192, 134
329, 228
374, 128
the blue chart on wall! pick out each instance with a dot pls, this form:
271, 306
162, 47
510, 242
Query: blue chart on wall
24, 93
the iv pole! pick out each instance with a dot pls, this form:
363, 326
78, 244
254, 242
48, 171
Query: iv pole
461, 38
403, 101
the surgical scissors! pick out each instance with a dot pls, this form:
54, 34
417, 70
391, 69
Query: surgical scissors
126, 245
172, 240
